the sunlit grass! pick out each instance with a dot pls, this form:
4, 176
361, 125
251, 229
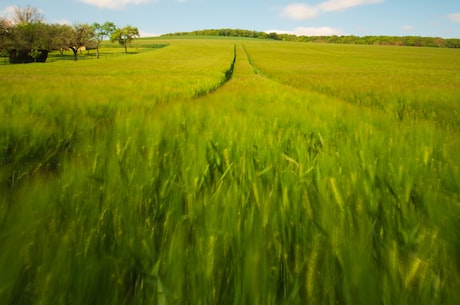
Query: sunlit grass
128, 184
412, 83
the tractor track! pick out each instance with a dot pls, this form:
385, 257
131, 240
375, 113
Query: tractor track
228, 74
241, 72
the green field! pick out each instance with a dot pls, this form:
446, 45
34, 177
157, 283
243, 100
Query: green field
232, 171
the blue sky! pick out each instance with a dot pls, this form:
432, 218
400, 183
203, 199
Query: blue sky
440, 18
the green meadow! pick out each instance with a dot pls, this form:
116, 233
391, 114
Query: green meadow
232, 171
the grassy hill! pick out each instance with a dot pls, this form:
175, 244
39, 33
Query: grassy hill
414, 41
232, 172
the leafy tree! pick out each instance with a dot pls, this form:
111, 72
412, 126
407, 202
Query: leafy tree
101, 31
5, 27
26, 38
61, 37
5, 24
125, 35
274, 36
81, 35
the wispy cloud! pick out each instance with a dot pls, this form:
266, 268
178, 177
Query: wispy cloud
114, 4
337, 5
454, 17
407, 28
148, 34
8, 11
63, 21
300, 11
311, 31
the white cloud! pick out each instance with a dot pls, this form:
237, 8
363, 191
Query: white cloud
114, 4
8, 12
148, 34
311, 31
454, 17
407, 28
299, 11
336, 5
63, 22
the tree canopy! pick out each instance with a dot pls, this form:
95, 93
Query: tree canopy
125, 35
26, 37
101, 31
28, 14
80, 35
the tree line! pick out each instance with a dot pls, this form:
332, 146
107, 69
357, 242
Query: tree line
416, 41
26, 37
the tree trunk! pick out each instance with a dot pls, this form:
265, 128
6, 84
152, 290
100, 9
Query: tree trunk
126, 48
75, 53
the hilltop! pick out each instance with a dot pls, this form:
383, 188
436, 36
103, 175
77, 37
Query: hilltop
417, 41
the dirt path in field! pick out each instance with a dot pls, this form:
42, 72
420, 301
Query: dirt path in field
249, 86
243, 78
244, 67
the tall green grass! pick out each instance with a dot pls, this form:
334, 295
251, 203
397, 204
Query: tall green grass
411, 83
149, 191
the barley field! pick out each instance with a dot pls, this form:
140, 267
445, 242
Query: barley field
232, 171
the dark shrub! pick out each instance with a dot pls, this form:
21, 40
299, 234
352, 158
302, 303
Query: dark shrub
25, 56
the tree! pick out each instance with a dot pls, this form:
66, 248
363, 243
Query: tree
4, 30
101, 31
28, 42
26, 38
81, 35
61, 37
27, 15
125, 35
5, 26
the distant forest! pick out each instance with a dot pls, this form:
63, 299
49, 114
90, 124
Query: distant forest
415, 41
